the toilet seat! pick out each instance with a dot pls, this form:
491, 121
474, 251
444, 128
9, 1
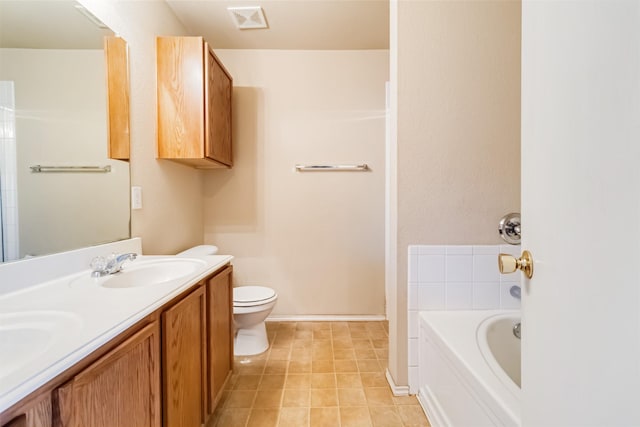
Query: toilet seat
248, 296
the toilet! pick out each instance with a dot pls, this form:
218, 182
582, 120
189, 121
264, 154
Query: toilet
251, 306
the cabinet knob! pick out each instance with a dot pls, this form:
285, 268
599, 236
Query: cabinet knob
509, 264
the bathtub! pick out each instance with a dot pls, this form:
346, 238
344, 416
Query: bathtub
469, 368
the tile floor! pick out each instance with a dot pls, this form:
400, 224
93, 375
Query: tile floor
329, 374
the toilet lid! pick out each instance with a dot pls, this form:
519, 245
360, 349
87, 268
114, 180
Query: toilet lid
252, 294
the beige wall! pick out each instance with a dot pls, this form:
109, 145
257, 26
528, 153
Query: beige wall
317, 238
171, 218
458, 131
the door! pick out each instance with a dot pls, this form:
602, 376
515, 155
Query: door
580, 212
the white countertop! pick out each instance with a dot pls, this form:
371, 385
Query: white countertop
92, 315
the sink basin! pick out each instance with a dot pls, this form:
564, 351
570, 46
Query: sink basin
144, 273
25, 336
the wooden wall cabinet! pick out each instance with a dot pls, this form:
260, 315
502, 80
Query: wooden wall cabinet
194, 103
121, 389
118, 134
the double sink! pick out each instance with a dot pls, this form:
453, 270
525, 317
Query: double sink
43, 326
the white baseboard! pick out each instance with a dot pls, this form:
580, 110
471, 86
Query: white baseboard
397, 390
325, 318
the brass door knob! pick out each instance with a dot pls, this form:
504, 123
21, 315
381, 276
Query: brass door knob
509, 264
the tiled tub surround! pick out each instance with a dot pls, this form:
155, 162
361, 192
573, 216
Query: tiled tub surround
462, 277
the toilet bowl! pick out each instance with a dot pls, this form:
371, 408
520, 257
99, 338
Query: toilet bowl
251, 306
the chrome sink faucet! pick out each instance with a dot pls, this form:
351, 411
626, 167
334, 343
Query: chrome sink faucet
112, 264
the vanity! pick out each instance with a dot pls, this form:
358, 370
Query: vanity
150, 346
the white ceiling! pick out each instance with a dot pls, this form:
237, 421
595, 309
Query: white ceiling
293, 24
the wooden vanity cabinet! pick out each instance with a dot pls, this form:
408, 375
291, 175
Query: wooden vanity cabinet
167, 370
194, 103
121, 389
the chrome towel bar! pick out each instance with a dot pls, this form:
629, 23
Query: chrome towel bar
46, 169
328, 168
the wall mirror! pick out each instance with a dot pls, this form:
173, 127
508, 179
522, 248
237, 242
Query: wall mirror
53, 113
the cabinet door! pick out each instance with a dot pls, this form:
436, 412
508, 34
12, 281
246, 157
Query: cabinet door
181, 109
115, 49
121, 389
219, 88
220, 333
182, 363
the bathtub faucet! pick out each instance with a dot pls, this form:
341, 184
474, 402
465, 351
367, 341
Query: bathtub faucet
516, 330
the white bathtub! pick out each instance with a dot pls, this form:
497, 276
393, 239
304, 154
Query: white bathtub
470, 368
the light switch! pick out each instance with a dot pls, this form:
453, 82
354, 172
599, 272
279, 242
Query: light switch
136, 197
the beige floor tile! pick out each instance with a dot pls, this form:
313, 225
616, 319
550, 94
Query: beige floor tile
342, 343
323, 397
368, 365
322, 366
359, 334
255, 367
263, 418
247, 382
272, 382
346, 366
405, 400
365, 353
301, 353
348, 380
373, 379
380, 343
304, 343
324, 334
306, 334
344, 354
280, 353
382, 353
385, 416
362, 344
321, 326
296, 398
379, 335
276, 367
324, 417
241, 399
294, 417
322, 354
413, 416
327, 374
298, 381
304, 326
235, 417
268, 399
352, 397
379, 396
355, 417
323, 380
299, 367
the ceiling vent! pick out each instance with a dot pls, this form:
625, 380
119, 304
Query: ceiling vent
250, 17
